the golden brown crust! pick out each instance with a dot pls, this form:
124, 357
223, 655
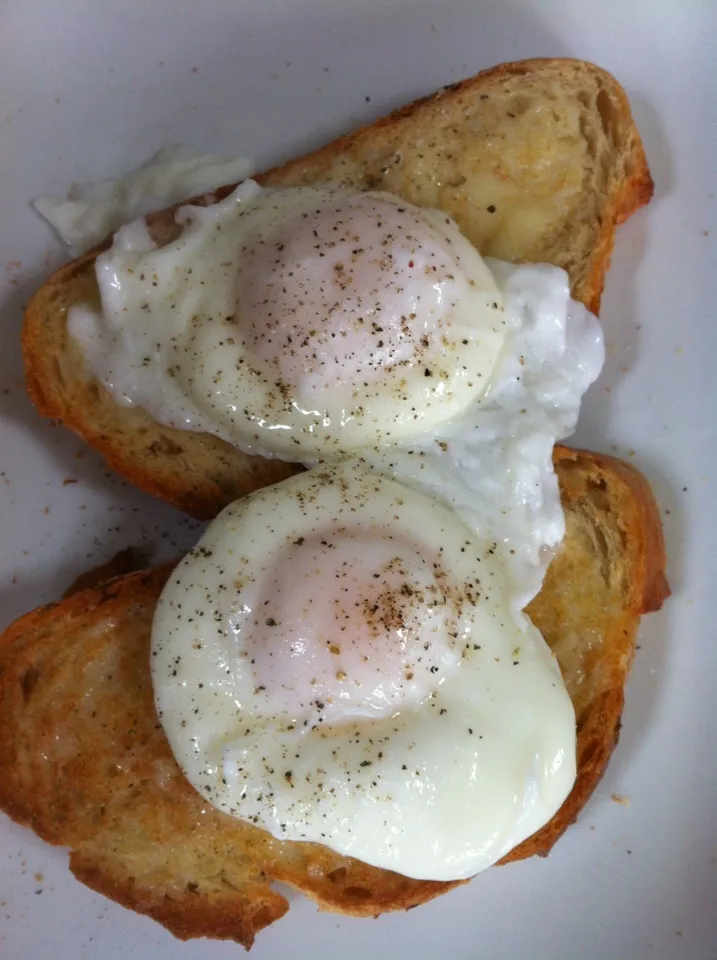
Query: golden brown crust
636, 514
84, 762
228, 917
610, 498
127, 560
551, 141
631, 188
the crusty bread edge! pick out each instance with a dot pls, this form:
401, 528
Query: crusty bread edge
649, 590
233, 917
238, 918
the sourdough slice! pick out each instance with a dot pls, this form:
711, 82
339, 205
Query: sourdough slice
536, 161
85, 763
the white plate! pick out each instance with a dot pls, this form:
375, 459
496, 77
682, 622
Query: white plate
90, 88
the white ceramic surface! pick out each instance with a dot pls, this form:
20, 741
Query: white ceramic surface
90, 88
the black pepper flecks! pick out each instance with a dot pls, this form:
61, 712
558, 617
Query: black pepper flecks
321, 322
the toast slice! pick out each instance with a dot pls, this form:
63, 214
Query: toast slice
85, 763
536, 161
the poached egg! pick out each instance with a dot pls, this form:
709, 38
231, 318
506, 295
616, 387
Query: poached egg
300, 323
337, 660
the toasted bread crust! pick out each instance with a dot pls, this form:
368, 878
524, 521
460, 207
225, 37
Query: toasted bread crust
85, 763
592, 485
484, 150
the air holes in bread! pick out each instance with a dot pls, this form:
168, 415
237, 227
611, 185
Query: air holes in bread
28, 682
164, 446
57, 371
608, 116
358, 893
337, 876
